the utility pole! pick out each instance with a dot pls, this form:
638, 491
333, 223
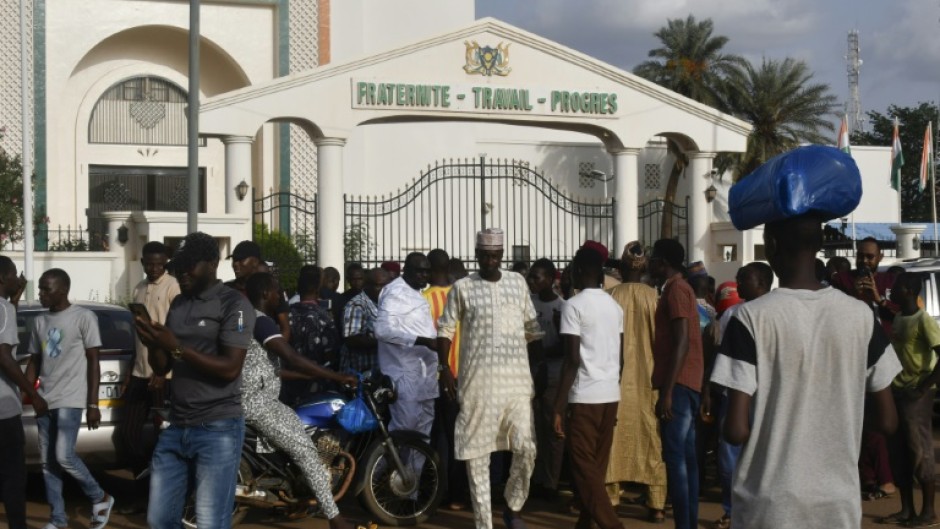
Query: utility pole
27, 157
192, 123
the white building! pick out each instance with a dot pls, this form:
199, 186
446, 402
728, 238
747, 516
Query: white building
333, 101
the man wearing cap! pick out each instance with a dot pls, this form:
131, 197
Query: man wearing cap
600, 249
206, 337
636, 454
246, 260
246, 257
497, 319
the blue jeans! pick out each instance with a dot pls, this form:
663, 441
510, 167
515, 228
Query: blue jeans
58, 433
209, 454
679, 455
728, 455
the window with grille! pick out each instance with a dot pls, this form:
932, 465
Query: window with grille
584, 173
140, 111
651, 176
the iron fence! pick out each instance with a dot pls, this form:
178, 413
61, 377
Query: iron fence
449, 202
659, 218
62, 239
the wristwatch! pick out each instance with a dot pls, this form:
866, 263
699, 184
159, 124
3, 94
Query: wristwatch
442, 367
93, 406
177, 352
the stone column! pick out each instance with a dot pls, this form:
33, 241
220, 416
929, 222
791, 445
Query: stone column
237, 170
700, 168
330, 215
906, 235
626, 196
124, 254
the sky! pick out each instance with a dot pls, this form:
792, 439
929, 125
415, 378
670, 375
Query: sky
899, 39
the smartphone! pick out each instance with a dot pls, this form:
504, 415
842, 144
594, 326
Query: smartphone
140, 310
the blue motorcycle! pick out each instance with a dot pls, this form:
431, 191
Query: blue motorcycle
395, 475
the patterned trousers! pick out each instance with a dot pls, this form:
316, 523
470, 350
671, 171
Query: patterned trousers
281, 427
517, 487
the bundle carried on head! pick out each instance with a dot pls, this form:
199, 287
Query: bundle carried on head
814, 179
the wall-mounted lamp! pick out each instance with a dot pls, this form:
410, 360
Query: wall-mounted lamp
241, 190
122, 234
711, 193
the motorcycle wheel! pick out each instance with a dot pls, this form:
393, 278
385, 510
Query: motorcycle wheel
386, 493
238, 511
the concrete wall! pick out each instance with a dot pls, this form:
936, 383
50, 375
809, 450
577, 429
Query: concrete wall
90, 272
87, 52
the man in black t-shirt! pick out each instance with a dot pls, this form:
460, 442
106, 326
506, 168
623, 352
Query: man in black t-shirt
205, 340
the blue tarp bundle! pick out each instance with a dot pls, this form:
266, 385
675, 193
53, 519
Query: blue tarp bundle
817, 179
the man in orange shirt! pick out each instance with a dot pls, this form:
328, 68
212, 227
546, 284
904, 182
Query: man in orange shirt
445, 414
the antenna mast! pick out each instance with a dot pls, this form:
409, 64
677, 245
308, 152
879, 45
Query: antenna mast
853, 65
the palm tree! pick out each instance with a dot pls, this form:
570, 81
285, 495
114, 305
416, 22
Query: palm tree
785, 107
690, 62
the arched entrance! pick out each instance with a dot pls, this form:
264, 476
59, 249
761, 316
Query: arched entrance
546, 86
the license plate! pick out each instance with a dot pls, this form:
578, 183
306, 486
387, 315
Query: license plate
109, 391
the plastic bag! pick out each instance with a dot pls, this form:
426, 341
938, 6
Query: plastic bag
817, 179
355, 416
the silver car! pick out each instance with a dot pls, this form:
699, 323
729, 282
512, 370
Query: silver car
97, 448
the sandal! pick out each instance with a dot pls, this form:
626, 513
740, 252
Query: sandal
656, 516
876, 494
897, 518
101, 512
722, 523
513, 522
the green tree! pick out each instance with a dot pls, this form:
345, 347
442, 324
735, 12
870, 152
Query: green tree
785, 107
912, 121
11, 198
691, 62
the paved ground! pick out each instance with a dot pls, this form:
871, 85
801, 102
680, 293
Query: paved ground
539, 514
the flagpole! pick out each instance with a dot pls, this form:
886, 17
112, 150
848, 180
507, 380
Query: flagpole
897, 177
933, 196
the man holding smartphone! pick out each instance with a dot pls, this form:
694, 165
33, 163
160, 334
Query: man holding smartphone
872, 287
142, 388
868, 284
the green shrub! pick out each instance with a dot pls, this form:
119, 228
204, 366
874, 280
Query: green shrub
279, 249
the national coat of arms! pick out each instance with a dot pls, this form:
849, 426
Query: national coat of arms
487, 60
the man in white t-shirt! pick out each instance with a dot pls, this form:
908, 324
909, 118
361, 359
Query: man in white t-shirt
592, 338
798, 362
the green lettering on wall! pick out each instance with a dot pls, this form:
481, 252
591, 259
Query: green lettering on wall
445, 96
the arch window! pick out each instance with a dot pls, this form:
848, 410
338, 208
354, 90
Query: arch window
140, 111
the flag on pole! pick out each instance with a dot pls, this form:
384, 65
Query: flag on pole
926, 159
897, 159
843, 141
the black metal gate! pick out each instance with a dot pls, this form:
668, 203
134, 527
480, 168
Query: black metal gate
652, 215
452, 200
291, 247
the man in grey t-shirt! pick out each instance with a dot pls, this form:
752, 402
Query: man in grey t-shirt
797, 363
12, 382
206, 337
63, 349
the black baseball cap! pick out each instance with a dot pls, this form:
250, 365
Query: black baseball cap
244, 250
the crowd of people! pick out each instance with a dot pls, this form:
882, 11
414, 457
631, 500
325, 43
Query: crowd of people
611, 371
